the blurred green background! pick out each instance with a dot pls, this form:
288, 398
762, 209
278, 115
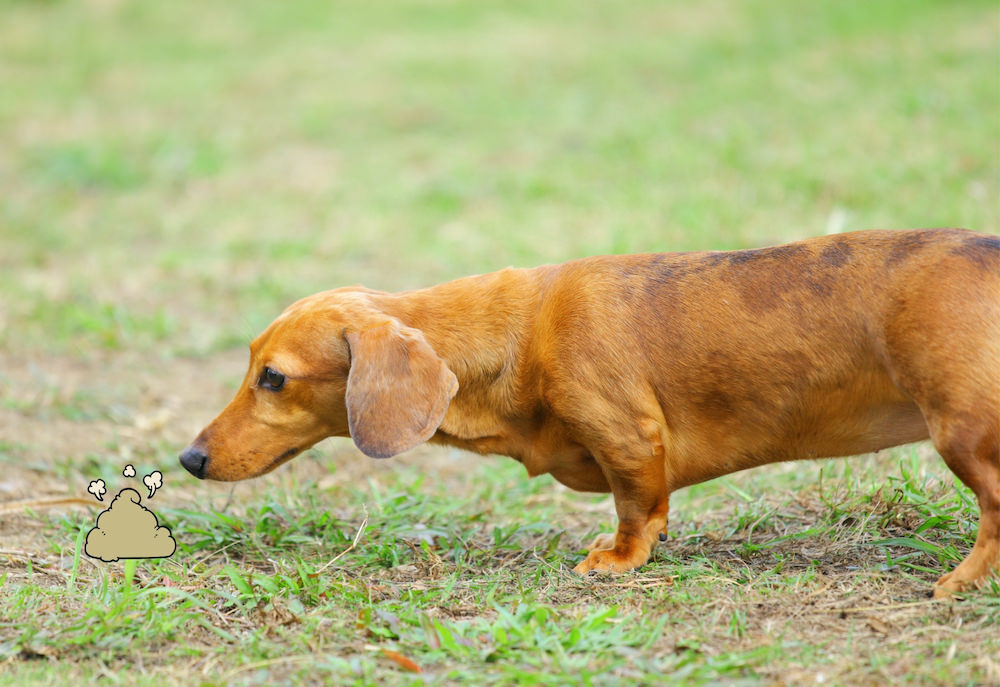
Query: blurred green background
173, 174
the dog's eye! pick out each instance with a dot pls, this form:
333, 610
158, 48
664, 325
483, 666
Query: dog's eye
271, 379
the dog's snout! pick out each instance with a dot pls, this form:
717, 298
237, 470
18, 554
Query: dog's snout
194, 461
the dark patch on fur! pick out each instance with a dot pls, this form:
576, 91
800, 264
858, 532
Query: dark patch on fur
820, 284
729, 398
653, 280
662, 268
983, 251
762, 275
716, 404
907, 245
756, 255
718, 401
837, 253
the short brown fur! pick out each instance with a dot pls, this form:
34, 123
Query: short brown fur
643, 374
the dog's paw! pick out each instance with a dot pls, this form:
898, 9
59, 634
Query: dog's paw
610, 561
948, 586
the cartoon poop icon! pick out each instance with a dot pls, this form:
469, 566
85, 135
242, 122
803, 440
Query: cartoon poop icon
127, 529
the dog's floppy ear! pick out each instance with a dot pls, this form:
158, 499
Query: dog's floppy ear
397, 391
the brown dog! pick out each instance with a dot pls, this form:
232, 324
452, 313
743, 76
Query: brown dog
642, 374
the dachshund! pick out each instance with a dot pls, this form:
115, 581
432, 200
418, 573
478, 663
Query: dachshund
642, 374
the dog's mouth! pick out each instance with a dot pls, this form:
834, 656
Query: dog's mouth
283, 458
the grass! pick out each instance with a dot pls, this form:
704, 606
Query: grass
174, 174
355, 582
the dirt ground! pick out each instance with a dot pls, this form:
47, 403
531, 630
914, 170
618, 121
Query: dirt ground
64, 419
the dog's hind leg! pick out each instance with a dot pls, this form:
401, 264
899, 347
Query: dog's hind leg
970, 445
944, 350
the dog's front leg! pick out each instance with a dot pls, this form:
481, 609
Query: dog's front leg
641, 500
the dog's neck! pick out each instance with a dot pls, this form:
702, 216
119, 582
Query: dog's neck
498, 310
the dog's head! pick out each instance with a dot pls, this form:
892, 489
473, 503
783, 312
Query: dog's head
331, 365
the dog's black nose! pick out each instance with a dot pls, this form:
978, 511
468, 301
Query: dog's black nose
194, 461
